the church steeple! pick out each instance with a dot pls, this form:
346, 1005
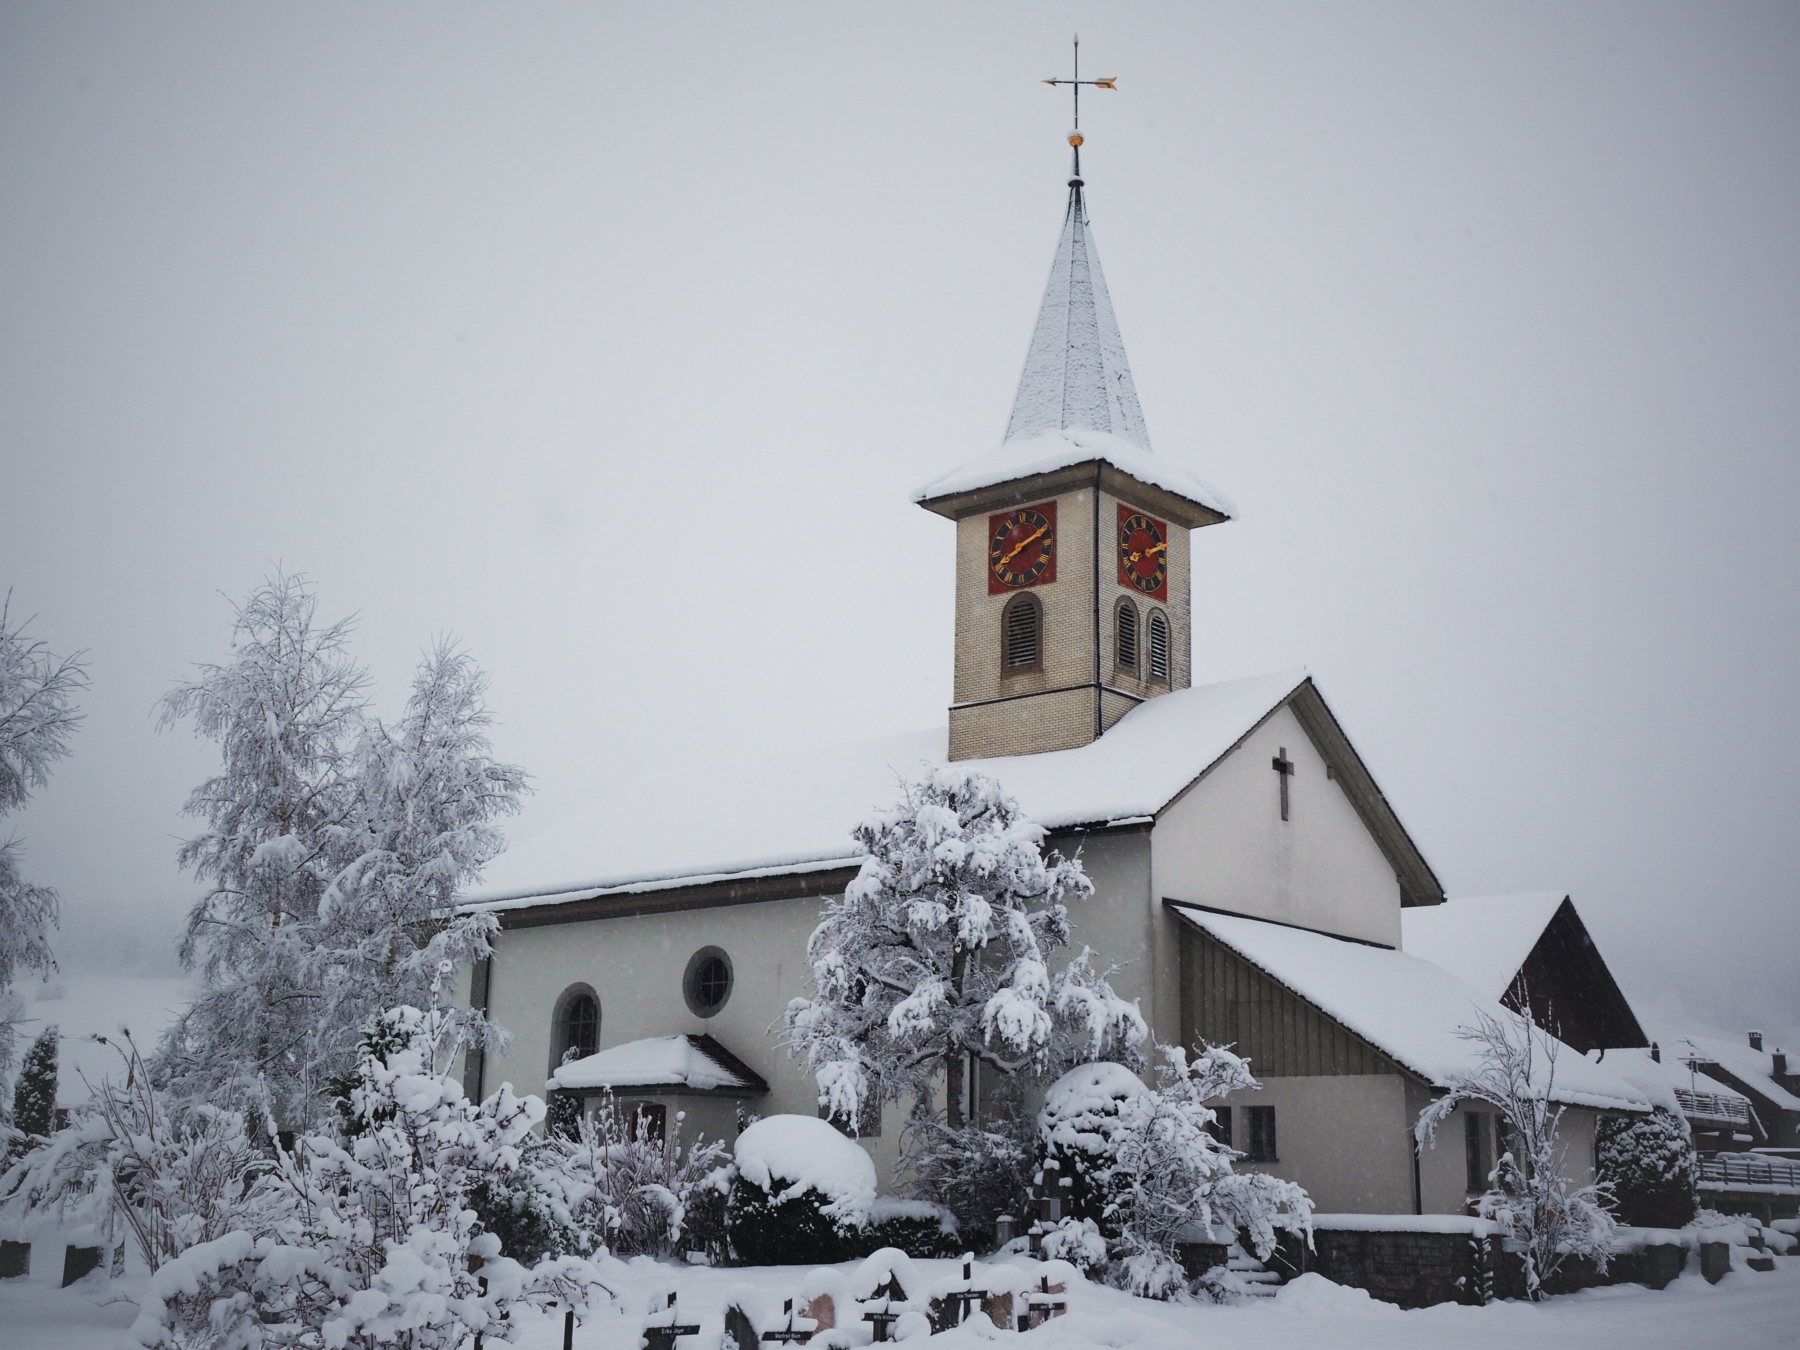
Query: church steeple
1076, 376
1072, 539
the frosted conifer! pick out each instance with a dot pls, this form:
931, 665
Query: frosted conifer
1650, 1163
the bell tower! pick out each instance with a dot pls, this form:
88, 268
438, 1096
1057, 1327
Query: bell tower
1072, 538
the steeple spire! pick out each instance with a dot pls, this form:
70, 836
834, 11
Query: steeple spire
1076, 375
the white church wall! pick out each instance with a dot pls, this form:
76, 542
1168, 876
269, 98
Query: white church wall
1113, 920
1225, 845
636, 965
1343, 1137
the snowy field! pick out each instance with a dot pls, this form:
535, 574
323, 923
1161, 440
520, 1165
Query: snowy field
1744, 1311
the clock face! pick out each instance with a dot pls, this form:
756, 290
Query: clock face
1022, 548
1143, 554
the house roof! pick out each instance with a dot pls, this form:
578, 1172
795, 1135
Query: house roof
1403, 1005
793, 814
1483, 940
1750, 1067
662, 1065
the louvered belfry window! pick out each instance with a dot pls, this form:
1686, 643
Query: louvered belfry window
1024, 634
1128, 636
1159, 648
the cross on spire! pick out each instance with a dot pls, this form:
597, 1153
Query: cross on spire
1075, 82
1285, 767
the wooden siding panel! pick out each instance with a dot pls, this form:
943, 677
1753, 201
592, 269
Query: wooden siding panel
1227, 1001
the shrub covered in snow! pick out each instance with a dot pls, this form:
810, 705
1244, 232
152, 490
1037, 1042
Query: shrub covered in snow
919, 1228
34, 1096
627, 1189
801, 1193
1139, 1165
1650, 1164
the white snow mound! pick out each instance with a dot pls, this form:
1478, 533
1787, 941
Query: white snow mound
795, 1153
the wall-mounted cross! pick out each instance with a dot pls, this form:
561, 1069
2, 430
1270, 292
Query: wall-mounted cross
1285, 767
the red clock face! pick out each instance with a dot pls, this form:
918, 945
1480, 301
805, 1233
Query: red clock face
1143, 554
1022, 548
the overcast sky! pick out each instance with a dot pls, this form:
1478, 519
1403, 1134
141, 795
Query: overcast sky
582, 332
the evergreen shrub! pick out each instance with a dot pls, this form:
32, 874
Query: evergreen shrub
768, 1227
1650, 1163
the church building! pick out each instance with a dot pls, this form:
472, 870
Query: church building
1251, 879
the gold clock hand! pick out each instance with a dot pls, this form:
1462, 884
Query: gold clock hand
1022, 544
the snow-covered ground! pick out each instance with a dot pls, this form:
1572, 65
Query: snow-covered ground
1745, 1310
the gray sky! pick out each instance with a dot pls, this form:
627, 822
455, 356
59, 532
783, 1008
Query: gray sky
576, 332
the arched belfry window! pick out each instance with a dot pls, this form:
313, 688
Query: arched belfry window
1159, 646
1022, 635
575, 1027
1125, 628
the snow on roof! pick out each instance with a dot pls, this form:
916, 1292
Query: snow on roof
1402, 1004
1484, 940
784, 814
1075, 371
1659, 1079
1750, 1067
1062, 448
657, 1061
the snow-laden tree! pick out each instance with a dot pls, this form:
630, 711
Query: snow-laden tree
939, 955
428, 795
1144, 1165
34, 1095
1534, 1196
334, 847
37, 718
287, 712
1650, 1163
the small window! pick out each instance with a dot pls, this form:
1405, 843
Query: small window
1262, 1133
1159, 646
1022, 626
707, 983
1125, 649
577, 1028
1220, 1129
1475, 1152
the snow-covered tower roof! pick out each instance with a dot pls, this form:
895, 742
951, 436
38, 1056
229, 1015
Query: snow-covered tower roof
1076, 376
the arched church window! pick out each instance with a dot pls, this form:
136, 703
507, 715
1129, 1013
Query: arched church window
1022, 629
1159, 646
575, 1029
707, 983
1125, 647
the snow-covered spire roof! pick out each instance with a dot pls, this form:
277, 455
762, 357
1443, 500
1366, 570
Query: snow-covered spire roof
1076, 376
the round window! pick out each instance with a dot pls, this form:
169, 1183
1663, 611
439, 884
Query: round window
707, 983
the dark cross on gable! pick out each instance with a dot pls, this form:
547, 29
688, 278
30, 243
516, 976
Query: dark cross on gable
1285, 767
1075, 84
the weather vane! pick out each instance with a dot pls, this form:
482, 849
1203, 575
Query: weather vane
1075, 83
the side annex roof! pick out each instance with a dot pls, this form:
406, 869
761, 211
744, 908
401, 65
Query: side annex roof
1403, 1005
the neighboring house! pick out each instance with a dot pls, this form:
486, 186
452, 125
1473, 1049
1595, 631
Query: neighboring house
1250, 876
1718, 1117
1760, 1075
1520, 948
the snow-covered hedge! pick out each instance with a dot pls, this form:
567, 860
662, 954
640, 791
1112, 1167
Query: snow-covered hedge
1649, 1162
800, 1193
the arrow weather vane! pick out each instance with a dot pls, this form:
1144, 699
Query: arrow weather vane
1111, 82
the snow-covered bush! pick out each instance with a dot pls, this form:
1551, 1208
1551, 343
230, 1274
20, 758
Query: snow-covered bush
1650, 1164
372, 1240
1141, 1164
624, 1188
982, 1170
938, 958
801, 1193
1534, 1197
921, 1229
